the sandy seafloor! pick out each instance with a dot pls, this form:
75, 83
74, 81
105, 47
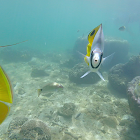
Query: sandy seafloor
105, 114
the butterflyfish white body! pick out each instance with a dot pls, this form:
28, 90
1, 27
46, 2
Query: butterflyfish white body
95, 48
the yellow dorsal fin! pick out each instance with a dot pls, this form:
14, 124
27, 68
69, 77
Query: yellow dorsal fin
4, 110
6, 94
92, 34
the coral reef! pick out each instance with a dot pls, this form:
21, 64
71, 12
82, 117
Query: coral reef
78, 70
22, 128
120, 74
134, 98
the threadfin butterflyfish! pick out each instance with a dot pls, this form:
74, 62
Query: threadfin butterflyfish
95, 49
13, 44
6, 95
50, 87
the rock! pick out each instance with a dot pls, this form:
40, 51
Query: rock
80, 45
14, 127
80, 69
126, 120
67, 110
121, 49
38, 73
110, 121
70, 63
67, 137
120, 74
117, 78
35, 129
10, 55
24, 129
21, 91
133, 99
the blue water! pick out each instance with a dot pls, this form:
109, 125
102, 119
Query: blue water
53, 24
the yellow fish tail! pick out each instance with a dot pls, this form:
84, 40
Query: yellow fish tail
39, 92
4, 111
6, 93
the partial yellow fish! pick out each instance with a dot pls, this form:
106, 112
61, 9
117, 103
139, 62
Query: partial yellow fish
90, 40
6, 95
50, 87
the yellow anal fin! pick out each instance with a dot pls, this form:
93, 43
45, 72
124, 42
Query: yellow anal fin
88, 49
92, 34
85, 58
4, 110
6, 93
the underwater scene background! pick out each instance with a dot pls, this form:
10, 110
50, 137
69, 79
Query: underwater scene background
84, 109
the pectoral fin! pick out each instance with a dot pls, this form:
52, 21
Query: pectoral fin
85, 74
100, 75
81, 54
86, 58
107, 59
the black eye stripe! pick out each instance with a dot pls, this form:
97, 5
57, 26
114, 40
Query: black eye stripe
92, 54
92, 32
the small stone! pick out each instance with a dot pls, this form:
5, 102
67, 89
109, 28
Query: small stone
110, 121
67, 110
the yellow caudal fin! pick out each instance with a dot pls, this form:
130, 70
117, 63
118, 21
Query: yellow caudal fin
6, 93
4, 110
39, 92
91, 36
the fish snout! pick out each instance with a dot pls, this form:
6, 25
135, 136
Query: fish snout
60, 86
96, 60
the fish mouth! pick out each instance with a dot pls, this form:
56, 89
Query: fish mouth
60, 86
